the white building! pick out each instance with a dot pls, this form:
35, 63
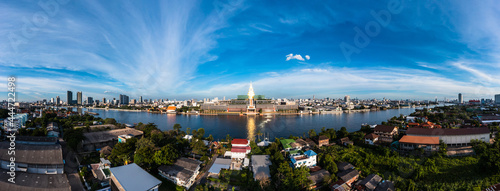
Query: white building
457, 137
183, 172
308, 159
240, 148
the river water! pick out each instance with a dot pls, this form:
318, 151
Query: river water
248, 126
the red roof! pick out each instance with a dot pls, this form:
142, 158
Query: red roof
384, 128
246, 148
420, 140
239, 141
238, 150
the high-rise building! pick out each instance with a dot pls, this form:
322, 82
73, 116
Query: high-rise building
103, 100
124, 99
90, 100
52, 100
497, 99
460, 98
347, 99
79, 98
140, 100
58, 100
69, 98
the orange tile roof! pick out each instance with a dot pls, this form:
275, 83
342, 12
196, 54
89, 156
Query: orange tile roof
420, 140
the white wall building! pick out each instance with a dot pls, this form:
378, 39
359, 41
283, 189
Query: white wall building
457, 137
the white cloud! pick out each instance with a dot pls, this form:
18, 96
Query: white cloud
307, 57
296, 57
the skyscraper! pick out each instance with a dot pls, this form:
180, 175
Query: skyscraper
79, 98
140, 100
90, 100
69, 98
123, 99
347, 98
460, 98
497, 99
58, 100
103, 100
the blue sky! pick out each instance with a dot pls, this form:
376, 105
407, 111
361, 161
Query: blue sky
195, 49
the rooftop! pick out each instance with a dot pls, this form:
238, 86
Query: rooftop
423, 140
104, 136
183, 168
36, 139
133, 177
220, 163
318, 176
33, 154
239, 141
34, 182
371, 136
344, 166
437, 132
286, 143
384, 128
371, 181
260, 166
347, 175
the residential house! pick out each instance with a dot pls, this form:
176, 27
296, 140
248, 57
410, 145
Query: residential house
240, 148
386, 132
132, 177
311, 143
385, 185
345, 141
369, 183
286, 143
344, 166
299, 144
428, 144
101, 171
219, 163
183, 172
308, 159
348, 176
323, 141
371, 138
318, 177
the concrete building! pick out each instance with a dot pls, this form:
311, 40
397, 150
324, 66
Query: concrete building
460, 98
90, 100
385, 132
497, 99
183, 172
219, 163
323, 141
33, 158
371, 138
34, 182
240, 148
308, 159
457, 137
58, 100
132, 177
100, 139
69, 97
79, 99
260, 167
124, 99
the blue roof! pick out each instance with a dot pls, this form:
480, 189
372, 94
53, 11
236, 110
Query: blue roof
293, 160
310, 153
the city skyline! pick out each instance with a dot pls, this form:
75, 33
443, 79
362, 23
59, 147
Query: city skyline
195, 49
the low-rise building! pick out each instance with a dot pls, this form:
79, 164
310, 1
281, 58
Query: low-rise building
97, 140
240, 148
369, 183
318, 177
308, 159
33, 158
371, 138
455, 137
428, 144
34, 182
183, 172
132, 177
287, 144
348, 176
385, 185
260, 167
386, 132
101, 171
323, 141
219, 163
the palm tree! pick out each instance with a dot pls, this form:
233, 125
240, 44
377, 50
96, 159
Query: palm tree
259, 134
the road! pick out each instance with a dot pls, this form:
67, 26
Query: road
202, 178
71, 168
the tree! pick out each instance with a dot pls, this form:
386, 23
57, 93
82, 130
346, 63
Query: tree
144, 142
177, 128
201, 133
342, 133
123, 152
312, 133
109, 121
144, 155
73, 137
210, 138
166, 155
188, 130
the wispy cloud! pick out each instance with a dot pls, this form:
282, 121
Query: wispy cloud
296, 57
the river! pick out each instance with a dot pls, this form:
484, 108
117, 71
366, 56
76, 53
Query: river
248, 126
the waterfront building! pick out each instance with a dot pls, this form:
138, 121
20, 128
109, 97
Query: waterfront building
183, 172
371, 138
90, 100
240, 148
497, 99
460, 98
58, 100
323, 141
124, 99
69, 97
132, 177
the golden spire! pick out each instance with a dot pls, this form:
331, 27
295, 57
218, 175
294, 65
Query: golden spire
250, 92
